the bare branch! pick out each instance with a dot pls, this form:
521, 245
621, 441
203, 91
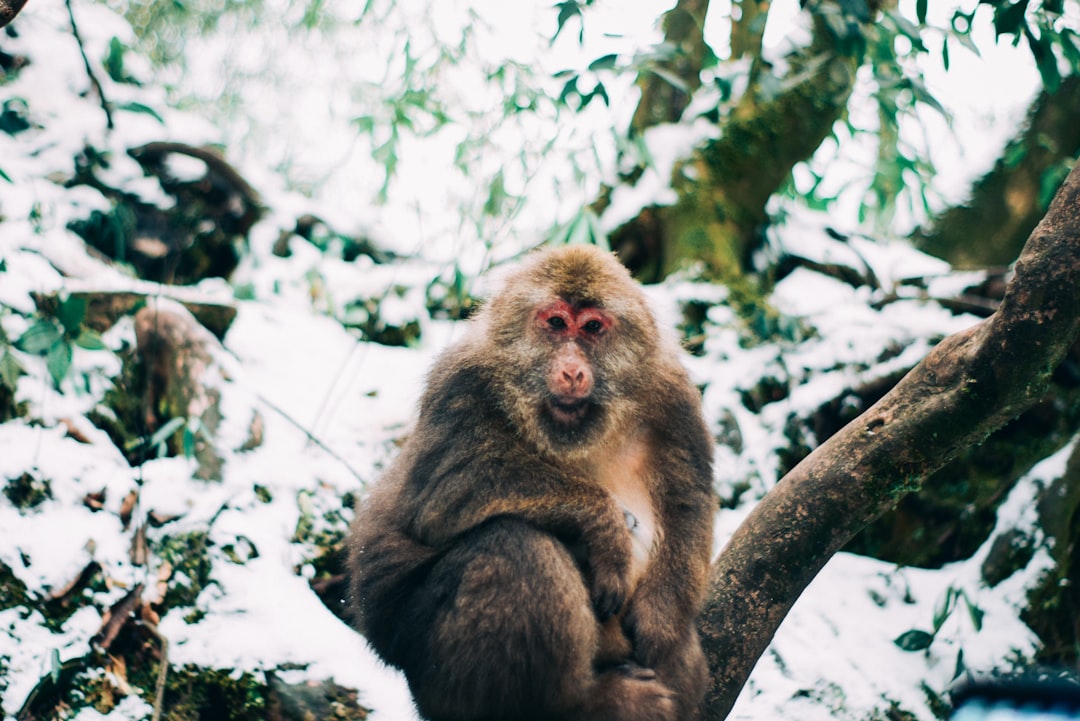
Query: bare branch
969, 385
89, 70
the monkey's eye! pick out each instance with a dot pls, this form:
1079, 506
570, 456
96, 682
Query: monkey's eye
557, 322
593, 327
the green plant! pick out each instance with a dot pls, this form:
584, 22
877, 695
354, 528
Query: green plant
920, 640
54, 338
190, 429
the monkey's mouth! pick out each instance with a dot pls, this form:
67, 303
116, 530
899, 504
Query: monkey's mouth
568, 411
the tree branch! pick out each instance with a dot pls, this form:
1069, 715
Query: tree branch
748, 29
970, 384
9, 9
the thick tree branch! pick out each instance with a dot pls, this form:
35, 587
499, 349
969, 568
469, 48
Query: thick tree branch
9, 9
969, 385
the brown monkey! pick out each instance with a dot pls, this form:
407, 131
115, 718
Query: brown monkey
540, 548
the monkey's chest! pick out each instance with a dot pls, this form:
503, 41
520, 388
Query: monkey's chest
625, 478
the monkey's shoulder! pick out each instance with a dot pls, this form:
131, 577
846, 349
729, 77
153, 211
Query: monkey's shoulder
460, 393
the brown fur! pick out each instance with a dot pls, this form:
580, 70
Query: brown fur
495, 564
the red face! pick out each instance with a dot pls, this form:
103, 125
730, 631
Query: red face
570, 378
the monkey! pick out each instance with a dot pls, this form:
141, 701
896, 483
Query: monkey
540, 547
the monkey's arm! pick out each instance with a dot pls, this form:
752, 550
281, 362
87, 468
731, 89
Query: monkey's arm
573, 511
670, 594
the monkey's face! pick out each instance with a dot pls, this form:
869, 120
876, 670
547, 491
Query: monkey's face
574, 336
569, 372
570, 344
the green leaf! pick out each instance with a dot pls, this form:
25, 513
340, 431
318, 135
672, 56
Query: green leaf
605, 63
960, 665
914, 640
975, 612
14, 118
1009, 17
1070, 47
944, 607
162, 434
1045, 59
6, 177
567, 10
580, 232
133, 107
906, 28
90, 340
10, 370
364, 123
920, 11
71, 313
55, 667
1051, 180
569, 88
58, 360
598, 91
39, 338
598, 235
923, 95
670, 78
496, 195
114, 60
189, 442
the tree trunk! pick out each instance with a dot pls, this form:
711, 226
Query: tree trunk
972, 383
720, 211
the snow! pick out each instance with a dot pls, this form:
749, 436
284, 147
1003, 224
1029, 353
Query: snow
289, 359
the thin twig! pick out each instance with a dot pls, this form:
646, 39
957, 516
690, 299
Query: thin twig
311, 437
89, 70
163, 671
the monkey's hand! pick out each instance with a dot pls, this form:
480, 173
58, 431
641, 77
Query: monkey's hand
654, 629
610, 556
610, 589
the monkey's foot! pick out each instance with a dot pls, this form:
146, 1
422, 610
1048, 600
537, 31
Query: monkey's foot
630, 692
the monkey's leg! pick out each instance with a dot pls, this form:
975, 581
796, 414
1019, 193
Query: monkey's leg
686, 673
504, 629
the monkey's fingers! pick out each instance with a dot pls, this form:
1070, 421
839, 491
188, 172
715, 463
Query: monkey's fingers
608, 596
634, 671
651, 631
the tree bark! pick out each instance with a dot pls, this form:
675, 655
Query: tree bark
972, 383
9, 9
